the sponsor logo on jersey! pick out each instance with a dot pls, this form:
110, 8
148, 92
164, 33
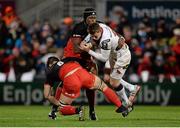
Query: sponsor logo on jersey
75, 35
104, 44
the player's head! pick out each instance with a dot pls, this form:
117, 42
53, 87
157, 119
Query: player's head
51, 62
89, 15
95, 31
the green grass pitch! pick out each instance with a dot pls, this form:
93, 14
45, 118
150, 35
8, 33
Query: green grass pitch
147, 116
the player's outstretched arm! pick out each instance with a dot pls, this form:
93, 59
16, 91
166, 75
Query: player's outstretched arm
48, 96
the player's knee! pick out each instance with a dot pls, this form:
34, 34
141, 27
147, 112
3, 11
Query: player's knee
46, 96
114, 83
99, 84
103, 85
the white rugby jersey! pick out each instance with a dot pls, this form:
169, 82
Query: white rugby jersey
108, 43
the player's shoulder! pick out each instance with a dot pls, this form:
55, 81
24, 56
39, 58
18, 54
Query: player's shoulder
80, 25
106, 36
80, 29
105, 41
106, 31
103, 25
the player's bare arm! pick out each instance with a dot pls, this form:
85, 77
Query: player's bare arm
76, 43
48, 96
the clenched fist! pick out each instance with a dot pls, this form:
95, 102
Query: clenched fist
85, 46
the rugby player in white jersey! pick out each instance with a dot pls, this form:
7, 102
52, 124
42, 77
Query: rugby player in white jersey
113, 49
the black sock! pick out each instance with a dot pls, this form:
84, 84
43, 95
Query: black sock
120, 87
91, 96
77, 110
54, 108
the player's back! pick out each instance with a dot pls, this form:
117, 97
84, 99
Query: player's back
69, 50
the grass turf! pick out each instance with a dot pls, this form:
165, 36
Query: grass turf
147, 116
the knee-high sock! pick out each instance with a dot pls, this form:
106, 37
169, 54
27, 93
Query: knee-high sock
112, 97
91, 99
127, 85
58, 93
121, 92
68, 110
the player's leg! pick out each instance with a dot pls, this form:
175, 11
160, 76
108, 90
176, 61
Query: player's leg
54, 109
91, 93
92, 81
67, 109
110, 95
123, 62
128, 86
70, 91
115, 78
133, 89
91, 101
121, 92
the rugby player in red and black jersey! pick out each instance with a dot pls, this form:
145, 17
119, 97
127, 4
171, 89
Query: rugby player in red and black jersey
75, 77
72, 50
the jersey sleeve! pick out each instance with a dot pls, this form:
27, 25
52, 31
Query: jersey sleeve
105, 49
103, 56
49, 79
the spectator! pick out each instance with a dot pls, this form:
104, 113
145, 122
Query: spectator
9, 16
3, 33
50, 45
144, 68
127, 33
158, 67
24, 62
137, 54
141, 35
45, 32
150, 44
19, 42
0, 11
171, 68
161, 29
176, 47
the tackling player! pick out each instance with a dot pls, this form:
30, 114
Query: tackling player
74, 78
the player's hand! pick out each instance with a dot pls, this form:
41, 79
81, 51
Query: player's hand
85, 46
122, 39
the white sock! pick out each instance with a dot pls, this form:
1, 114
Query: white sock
127, 85
123, 95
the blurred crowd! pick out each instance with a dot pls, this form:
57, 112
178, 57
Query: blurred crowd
155, 47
